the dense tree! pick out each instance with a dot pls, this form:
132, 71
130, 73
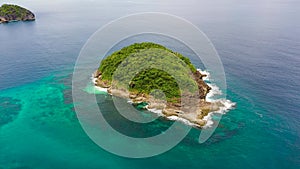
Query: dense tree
143, 67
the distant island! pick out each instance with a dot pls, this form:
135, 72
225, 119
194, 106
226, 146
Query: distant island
9, 13
141, 87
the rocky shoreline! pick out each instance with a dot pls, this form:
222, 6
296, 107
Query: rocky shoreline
193, 112
13, 13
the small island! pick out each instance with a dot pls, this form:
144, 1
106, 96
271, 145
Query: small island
10, 13
155, 89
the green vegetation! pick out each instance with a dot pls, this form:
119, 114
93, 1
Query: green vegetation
15, 12
143, 67
12, 10
150, 79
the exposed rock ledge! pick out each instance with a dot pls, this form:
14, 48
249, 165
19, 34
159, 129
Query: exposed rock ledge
190, 111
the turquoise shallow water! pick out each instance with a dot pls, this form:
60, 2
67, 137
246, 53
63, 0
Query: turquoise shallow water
258, 45
45, 128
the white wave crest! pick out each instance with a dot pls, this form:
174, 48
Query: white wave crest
184, 121
156, 111
214, 91
227, 106
204, 72
101, 89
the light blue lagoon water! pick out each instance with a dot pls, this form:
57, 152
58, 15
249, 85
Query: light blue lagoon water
258, 42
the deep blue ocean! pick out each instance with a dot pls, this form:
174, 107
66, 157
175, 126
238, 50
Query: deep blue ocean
258, 42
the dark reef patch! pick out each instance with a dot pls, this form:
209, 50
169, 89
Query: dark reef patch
9, 110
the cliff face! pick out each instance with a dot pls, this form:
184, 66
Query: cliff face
15, 13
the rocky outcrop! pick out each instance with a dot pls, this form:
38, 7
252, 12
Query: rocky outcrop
189, 110
202, 86
3, 20
10, 13
155, 89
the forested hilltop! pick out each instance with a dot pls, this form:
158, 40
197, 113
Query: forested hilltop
147, 80
152, 75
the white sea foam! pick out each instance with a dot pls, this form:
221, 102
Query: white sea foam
101, 89
204, 72
215, 90
208, 119
227, 105
94, 80
156, 111
185, 121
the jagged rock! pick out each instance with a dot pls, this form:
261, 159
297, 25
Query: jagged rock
132, 96
139, 99
101, 83
170, 112
3, 20
97, 73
